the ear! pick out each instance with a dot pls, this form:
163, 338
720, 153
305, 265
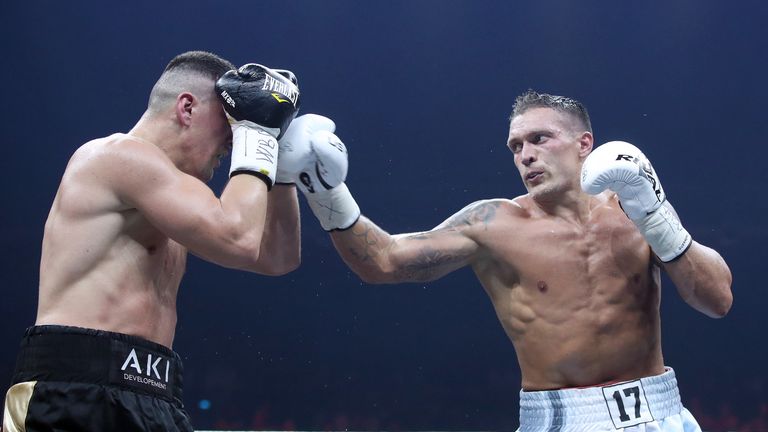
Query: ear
586, 140
183, 109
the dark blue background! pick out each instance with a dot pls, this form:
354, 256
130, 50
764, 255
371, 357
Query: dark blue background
420, 91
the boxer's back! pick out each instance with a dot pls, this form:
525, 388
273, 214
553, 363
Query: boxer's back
103, 264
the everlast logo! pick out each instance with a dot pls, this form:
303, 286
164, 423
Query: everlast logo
150, 370
647, 170
286, 89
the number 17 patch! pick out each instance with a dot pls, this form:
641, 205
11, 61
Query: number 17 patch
627, 404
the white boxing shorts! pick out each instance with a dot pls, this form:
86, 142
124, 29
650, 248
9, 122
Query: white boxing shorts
644, 405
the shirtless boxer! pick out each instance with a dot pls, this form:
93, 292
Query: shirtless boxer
128, 209
574, 279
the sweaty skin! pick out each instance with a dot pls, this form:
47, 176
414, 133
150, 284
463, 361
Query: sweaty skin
130, 207
573, 282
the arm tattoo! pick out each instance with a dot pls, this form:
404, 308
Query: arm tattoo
426, 260
369, 238
480, 212
428, 264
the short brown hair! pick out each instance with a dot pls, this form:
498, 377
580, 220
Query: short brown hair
533, 99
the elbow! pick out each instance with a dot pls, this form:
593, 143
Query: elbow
372, 278
376, 276
289, 266
280, 268
246, 253
723, 305
264, 262
725, 299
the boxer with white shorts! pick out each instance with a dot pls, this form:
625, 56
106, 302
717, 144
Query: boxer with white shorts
572, 267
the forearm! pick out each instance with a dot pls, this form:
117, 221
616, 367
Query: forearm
364, 248
241, 222
703, 280
378, 257
280, 250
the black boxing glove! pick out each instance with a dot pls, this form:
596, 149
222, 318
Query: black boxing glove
260, 104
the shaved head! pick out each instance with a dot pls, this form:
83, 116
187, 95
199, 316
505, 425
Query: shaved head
194, 72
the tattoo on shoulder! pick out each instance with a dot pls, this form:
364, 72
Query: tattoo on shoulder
480, 212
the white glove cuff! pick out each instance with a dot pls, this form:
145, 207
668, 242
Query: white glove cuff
664, 233
254, 150
283, 177
334, 208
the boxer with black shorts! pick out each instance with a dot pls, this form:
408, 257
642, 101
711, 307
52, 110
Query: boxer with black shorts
572, 267
128, 209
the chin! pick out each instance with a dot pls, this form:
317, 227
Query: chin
544, 192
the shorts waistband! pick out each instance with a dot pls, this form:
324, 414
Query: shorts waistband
607, 407
75, 354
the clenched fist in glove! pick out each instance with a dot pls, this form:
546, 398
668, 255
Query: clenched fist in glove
624, 169
315, 159
260, 104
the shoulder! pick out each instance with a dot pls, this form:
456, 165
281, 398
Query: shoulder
119, 163
114, 152
484, 212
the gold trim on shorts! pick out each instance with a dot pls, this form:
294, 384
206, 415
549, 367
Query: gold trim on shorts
16, 406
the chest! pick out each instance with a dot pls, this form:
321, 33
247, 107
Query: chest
547, 253
160, 253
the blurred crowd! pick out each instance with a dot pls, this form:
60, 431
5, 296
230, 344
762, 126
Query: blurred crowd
715, 418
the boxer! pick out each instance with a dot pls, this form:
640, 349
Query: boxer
129, 208
572, 267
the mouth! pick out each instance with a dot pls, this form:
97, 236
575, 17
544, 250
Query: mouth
533, 176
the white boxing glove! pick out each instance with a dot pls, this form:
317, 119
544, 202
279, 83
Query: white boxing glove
295, 152
323, 183
315, 159
624, 169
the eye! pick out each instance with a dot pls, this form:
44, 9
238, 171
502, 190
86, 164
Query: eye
537, 138
516, 147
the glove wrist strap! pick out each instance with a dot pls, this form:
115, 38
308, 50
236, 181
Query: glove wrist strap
336, 209
254, 150
664, 233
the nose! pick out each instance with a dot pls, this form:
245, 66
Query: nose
528, 154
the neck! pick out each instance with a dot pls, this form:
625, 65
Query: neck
153, 129
572, 205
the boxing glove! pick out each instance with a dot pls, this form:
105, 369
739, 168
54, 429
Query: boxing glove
624, 169
295, 150
260, 104
316, 160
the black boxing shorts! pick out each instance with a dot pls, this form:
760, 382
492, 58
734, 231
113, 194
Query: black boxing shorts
77, 379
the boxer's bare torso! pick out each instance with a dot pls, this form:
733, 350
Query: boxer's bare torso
577, 293
104, 265
578, 298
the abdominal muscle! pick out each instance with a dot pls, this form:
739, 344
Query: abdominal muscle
589, 342
593, 347
580, 302
114, 273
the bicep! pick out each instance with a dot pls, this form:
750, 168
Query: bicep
379, 257
448, 247
431, 255
183, 208
179, 205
